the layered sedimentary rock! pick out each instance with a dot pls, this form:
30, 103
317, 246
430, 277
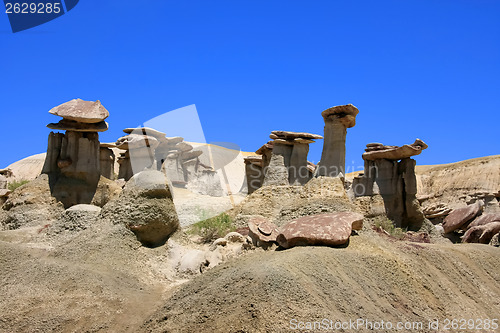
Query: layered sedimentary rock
457, 185
288, 164
73, 158
337, 120
392, 176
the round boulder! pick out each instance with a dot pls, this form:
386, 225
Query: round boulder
146, 207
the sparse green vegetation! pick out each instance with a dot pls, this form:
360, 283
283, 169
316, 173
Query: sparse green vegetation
388, 226
15, 184
213, 228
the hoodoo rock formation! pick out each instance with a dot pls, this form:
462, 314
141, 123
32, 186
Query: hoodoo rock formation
139, 152
73, 158
107, 160
337, 120
256, 166
288, 164
254, 172
390, 172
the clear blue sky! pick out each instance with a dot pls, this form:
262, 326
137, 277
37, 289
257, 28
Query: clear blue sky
414, 68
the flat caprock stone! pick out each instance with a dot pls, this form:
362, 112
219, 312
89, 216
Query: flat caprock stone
82, 111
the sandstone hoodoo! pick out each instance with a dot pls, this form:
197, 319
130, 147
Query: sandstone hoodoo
107, 160
73, 158
377, 151
256, 166
337, 120
288, 164
139, 153
254, 172
390, 173
189, 167
324, 229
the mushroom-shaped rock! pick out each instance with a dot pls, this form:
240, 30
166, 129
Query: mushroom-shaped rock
288, 162
337, 120
263, 230
485, 219
346, 114
394, 153
75, 126
294, 135
481, 233
81, 111
459, 217
324, 229
267, 147
145, 131
136, 141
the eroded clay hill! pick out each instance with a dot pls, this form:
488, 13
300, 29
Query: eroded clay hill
102, 280
375, 278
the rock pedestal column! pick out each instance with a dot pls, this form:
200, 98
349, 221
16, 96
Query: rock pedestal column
254, 172
266, 151
390, 172
337, 120
288, 164
107, 161
139, 155
73, 158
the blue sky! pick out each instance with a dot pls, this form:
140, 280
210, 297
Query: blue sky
414, 68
